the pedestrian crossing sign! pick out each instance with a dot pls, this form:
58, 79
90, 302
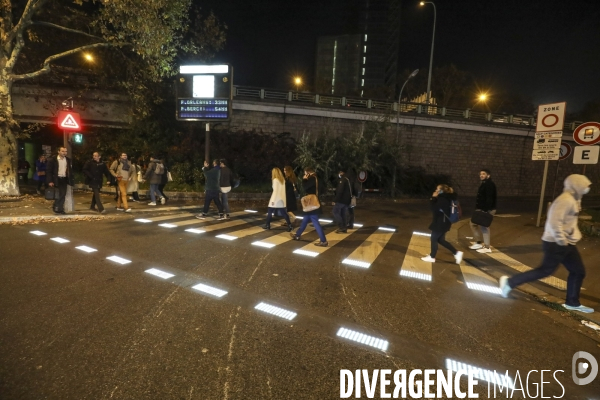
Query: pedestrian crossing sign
69, 120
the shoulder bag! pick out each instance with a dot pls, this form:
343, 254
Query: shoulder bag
352, 197
482, 218
310, 202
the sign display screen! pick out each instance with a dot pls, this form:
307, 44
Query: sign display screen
204, 93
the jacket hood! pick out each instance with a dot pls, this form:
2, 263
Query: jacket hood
575, 184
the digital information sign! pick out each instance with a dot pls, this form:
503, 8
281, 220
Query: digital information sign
204, 92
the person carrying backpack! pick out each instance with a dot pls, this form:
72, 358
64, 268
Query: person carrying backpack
154, 175
445, 209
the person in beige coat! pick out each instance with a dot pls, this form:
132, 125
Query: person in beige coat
134, 184
121, 170
277, 201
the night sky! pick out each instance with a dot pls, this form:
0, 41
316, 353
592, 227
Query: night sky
547, 50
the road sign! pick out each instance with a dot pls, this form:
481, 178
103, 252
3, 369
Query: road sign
545, 155
549, 135
587, 134
69, 120
204, 92
586, 154
551, 117
565, 151
546, 144
362, 176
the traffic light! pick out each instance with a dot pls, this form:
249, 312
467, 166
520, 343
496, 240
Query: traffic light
77, 138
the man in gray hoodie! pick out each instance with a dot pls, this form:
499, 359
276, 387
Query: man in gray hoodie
559, 240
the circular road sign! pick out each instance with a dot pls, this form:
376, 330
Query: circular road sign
362, 176
587, 134
565, 151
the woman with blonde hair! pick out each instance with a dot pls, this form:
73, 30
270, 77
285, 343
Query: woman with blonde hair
278, 200
290, 192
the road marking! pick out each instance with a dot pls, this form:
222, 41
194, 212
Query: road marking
142, 220
281, 238
279, 312
38, 233
159, 273
370, 249
332, 238
363, 339
192, 230
262, 244
506, 215
118, 260
253, 230
207, 219
479, 373
413, 266
86, 249
226, 237
170, 226
60, 240
479, 280
209, 290
166, 217
519, 266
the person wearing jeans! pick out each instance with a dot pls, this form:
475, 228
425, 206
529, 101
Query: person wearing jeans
94, 171
486, 201
225, 183
559, 244
154, 179
341, 204
310, 185
212, 189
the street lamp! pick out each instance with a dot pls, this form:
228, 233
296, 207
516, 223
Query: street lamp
431, 56
88, 57
298, 82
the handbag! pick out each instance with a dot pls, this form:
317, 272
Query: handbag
169, 177
50, 193
140, 178
225, 189
310, 202
482, 218
352, 197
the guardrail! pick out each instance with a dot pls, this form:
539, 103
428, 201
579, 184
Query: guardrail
389, 107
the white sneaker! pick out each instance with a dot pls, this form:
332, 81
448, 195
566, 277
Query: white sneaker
504, 287
163, 200
581, 308
128, 210
152, 204
476, 246
484, 250
458, 257
428, 259
120, 209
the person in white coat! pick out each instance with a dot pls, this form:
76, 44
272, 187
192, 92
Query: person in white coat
277, 203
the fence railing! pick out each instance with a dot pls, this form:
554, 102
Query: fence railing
404, 108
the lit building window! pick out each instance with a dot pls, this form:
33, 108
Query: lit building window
363, 72
365, 49
362, 82
364, 60
365, 37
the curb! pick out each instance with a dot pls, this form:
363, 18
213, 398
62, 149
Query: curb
34, 218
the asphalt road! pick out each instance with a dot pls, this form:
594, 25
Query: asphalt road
75, 325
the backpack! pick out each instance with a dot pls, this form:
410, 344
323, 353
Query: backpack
455, 212
159, 169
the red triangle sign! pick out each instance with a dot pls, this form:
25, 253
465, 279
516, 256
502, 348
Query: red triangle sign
69, 122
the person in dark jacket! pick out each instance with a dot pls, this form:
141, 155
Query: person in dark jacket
310, 185
212, 189
441, 208
355, 192
94, 170
164, 179
486, 201
153, 175
341, 202
40, 173
225, 183
291, 191
59, 174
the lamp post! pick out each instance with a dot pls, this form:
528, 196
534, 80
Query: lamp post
431, 56
298, 82
412, 75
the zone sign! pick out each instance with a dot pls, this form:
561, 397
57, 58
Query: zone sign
551, 117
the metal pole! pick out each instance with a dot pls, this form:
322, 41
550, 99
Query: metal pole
207, 144
555, 179
431, 56
539, 218
397, 132
69, 201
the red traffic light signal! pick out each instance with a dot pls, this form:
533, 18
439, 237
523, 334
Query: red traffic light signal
69, 121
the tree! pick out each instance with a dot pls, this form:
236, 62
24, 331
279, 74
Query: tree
37, 34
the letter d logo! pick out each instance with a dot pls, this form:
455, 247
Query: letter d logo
582, 368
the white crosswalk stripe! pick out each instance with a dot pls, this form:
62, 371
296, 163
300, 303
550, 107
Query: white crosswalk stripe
413, 266
279, 239
333, 239
370, 249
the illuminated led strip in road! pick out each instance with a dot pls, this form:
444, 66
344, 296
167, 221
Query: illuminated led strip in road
168, 225
356, 263
327, 221
159, 273
226, 237
38, 233
358, 225
363, 339
118, 260
251, 211
142, 220
60, 240
387, 229
279, 312
306, 253
210, 290
192, 230
416, 275
263, 244
484, 288
422, 234
480, 374
86, 249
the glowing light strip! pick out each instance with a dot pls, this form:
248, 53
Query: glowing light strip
192, 230
159, 273
142, 220
204, 69
38, 233
86, 249
480, 374
359, 225
251, 211
356, 263
306, 253
279, 312
60, 240
484, 288
327, 221
168, 226
422, 234
387, 229
210, 290
226, 237
263, 244
416, 275
119, 260
363, 339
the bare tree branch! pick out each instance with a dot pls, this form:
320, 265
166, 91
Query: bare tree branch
31, 7
65, 29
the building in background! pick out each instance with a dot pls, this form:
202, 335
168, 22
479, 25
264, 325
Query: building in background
337, 64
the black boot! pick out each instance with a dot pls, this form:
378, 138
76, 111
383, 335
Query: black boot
267, 227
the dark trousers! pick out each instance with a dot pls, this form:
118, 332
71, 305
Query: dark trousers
59, 203
281, 211
161, 188
350, 217
135, 196
554, 255
212, 195
41, 182
96, 201
312, 216
439, 237
339, 215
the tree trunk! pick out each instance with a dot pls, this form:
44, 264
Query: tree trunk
9, 181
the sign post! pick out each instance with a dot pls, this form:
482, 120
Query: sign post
68, 121
549, 126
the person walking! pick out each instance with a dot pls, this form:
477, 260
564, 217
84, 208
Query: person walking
94, 170
559, 244
291, 191
225, 183
310, 184
134, 184
341, 204
486, 202
153, 175
164, 179
122, 170
212, 188
40, 173
355, 192
59, 174
278, 199
441, 208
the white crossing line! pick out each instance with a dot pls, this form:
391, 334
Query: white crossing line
279, 312
519, 266
208, 219
280, 239
363, 339
369, 250
166, 217
333, 239
478, 280
253, 230
413, 266
159, 273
